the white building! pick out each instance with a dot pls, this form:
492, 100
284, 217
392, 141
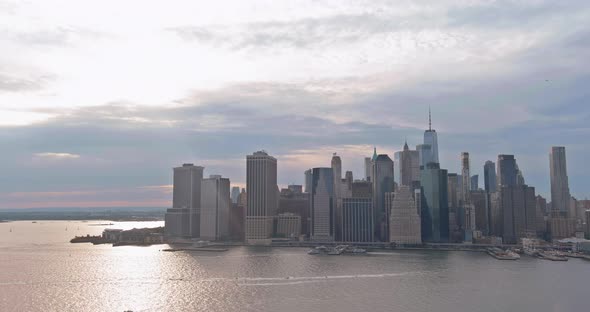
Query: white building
215, 205
261, 185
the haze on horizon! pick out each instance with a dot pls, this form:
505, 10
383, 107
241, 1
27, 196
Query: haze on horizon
98, 102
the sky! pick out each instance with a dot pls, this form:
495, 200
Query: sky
99, 100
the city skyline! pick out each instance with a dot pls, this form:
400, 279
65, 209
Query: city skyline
94, 114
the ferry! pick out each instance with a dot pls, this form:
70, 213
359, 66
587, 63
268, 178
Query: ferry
502, 255
551, 255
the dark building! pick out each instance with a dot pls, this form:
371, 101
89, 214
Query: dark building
362, 189
489, 176
514, 213
435, 204
357, 220
382, 183
296, 203
506, 170
237, 214
479, 199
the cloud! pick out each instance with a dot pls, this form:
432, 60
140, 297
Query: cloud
56, 156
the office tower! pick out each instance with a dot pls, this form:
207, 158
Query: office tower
541, 209
243, 198
424, 154
237, 217
454, 193
336, 165
560, 192
235, 192
368, 169
215, 208
468, 209
362, 189
288, 225
435, 209
261, 183
322, 204
183, 218
430, 138
296, 203
479, 200
475, 182
514, 213
382, 183
506, 170
404, 219
357, 220
408, 166
307, 185
295, 188
587, 227
489, 176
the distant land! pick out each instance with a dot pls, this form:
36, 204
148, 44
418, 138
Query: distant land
97, 213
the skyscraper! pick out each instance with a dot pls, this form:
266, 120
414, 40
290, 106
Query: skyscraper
261, 184
183, 218
465, 177
404, 219
215, 208
235, 192
431, 138
322, 203
408, 166
336, 165
560, 192
475, 182
357, 220
506, 170
435, 209
368, 167
382, 183
424, 154
514, 213
489, 176
307, 185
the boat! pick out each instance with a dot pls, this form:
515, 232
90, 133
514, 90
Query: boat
355, 250
551, 255
501, 254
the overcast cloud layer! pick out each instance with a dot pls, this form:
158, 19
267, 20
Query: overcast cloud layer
100, 99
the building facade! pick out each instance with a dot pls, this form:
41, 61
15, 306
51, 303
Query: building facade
435, 209
215, 208
506, 171
560, 193
288, 225
183, 220
357, 220
261, 184
404, 218
322, 205
382, 183
489, 176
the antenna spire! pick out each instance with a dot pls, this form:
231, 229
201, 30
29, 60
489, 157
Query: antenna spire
429, 119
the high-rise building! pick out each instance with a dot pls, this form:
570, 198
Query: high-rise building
382, 183
541, 209
322, 205
506, 170
296, 203
408, 166
424, 154
404, 219
514, 213
479, 200
454, 192
587, 227
215, 208
368, 169
307, 185
357, 220
362, 189
288, 225
336, 165
560, 192
183, 219
468, 208
261, 183
235, 192
465, 176
475, 182
489, 176
435, 209
431, 138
